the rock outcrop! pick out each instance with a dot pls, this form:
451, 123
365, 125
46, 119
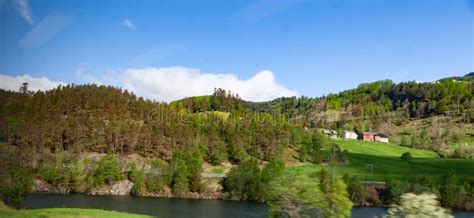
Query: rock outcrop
123, 187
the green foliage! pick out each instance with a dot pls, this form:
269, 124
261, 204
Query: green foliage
194, 163
272, 170
324, 180
406, 156
355, 189
180, 178
243, 182
79, 175
395, 189
49, 173
159, 176
449, 189
217, 153
296, 195
66, 212
15, 183
339, 200
312, 145
107, 170
319, 141
138, 178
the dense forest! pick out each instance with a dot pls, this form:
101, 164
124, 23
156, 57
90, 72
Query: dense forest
90, 118
46, 132
430, 115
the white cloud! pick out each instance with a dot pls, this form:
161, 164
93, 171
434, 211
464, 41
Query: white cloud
172, 83
14, 83
24, 10
127, 23
166, 83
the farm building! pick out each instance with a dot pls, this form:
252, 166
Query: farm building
350, 135
374, 136
330, 133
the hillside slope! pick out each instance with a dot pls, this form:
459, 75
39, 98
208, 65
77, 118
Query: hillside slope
380, 161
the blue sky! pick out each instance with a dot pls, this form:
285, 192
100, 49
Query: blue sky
309, 48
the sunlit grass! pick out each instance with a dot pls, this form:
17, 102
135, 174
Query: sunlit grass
66, 212
380, 161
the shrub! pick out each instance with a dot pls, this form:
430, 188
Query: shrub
15, 183
217, 154
355, 189
138, 179
160, 175
78, 176
107, 170
152, 183
296, 195
180, 177
49, 173
194, 163
395, 189
406, 156
243, 181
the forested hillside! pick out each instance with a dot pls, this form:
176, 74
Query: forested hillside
81, 138
432, 115
90, 118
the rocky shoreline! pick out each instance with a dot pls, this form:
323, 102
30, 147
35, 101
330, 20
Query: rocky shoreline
122, 188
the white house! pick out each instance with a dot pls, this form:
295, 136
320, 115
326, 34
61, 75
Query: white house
330, 133
383, 139
350, 135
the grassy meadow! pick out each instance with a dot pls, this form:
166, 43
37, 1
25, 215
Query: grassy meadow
66, 213
386, 162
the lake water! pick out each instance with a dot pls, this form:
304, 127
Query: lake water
176, 208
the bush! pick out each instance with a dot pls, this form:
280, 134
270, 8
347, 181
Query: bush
243, 181
159, 177
406, 156
395, 189
355, 189
296, 195
152, 183
107, 170
138, 178
48, 173
15, 183
180, 177
78, 176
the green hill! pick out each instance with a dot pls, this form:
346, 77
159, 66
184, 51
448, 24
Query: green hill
383, 149
386, 163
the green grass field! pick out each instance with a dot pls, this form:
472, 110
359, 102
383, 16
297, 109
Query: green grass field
386, 162
66, 212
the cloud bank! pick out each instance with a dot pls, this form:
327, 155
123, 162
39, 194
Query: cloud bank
169, 83
14, 83
172, 83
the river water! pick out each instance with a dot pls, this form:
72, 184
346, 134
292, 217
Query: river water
176, 208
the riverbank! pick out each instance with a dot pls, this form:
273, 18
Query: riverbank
120, 188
